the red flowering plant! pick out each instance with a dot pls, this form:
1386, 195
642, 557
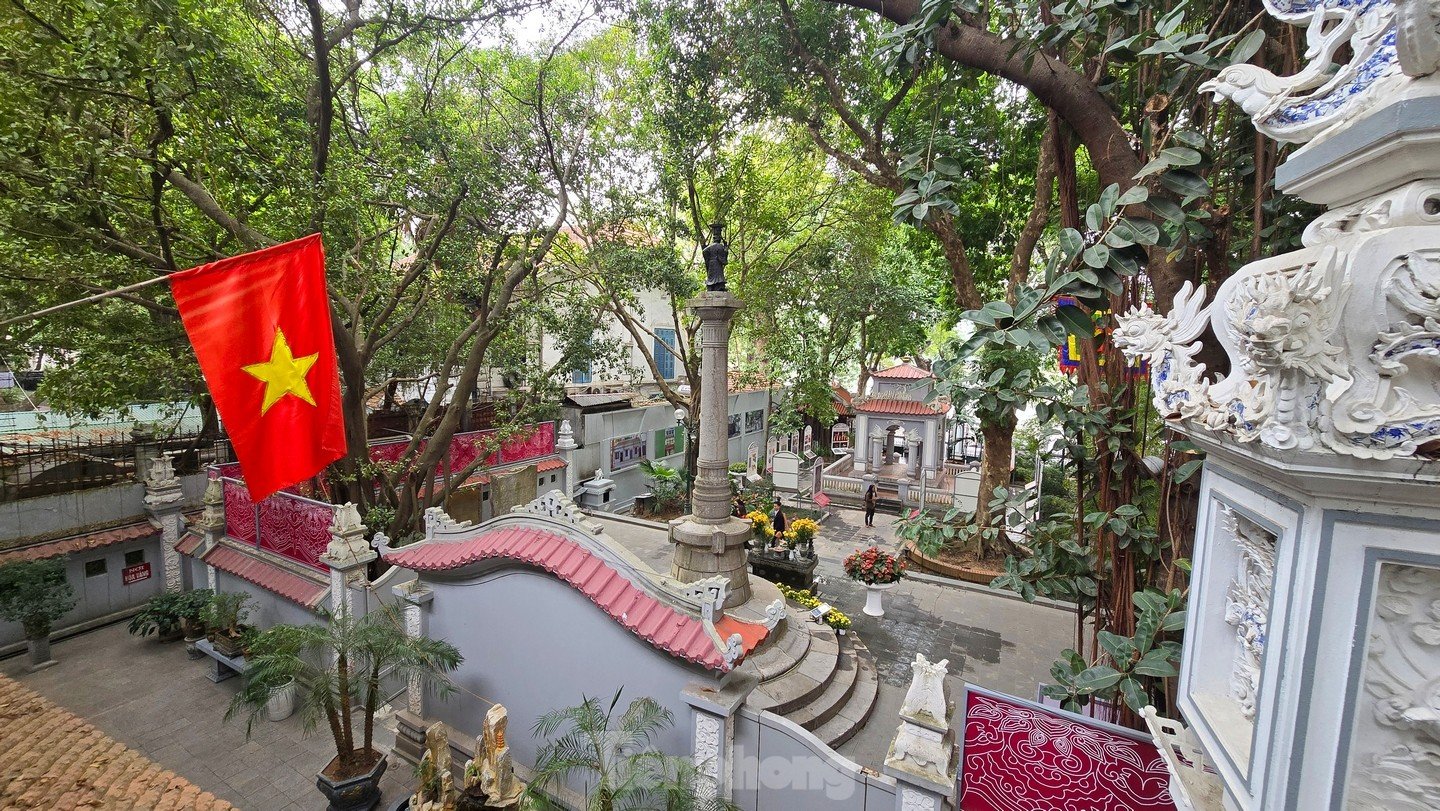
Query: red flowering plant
873, 566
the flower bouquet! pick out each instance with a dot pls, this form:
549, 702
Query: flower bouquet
874, 567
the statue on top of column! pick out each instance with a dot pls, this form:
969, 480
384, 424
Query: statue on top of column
717, 255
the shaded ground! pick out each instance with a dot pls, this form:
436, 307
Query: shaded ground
152, 698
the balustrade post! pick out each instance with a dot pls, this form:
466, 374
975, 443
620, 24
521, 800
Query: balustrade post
347, 556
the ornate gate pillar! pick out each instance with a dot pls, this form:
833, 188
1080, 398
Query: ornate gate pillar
1311, 653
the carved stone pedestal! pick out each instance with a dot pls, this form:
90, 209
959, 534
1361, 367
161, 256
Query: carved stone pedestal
705, 550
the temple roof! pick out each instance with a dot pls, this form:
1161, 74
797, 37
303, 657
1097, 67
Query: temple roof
909, 408
903, 371
80, 543
54, 759
252, 567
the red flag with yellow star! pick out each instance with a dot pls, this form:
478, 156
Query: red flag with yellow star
260, 323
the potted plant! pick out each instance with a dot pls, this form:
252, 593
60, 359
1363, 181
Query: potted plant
160, 616
804, 530
224, 616
760, 525
336, 670
879, 571
35, 594
837, 620
192, 606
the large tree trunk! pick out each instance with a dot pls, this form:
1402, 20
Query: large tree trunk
1069, 94
995, 470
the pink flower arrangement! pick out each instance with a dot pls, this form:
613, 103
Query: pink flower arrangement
873, 566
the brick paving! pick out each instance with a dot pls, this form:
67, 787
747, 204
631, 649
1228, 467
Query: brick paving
153, 699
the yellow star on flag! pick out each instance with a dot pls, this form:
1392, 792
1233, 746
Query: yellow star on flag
283, 374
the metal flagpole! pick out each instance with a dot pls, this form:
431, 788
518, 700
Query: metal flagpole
87, 300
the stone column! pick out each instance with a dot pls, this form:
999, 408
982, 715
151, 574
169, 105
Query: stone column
859, 451
415, 598
566, 447
347, 556
709, 541
164, 502
712, 734
212, 523
923, 758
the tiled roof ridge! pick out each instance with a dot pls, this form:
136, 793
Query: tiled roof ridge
74, 532
896, 405
903, 371
268, 571
56, 759
640, 607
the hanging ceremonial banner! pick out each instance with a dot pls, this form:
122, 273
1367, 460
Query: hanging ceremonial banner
1070, 351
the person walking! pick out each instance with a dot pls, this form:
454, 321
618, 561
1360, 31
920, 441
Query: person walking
870, 499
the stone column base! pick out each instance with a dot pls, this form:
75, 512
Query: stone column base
707, 550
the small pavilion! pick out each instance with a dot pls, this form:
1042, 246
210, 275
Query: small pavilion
902, 397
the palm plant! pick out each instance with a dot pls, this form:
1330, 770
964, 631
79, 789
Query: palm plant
623, 771
337, 668
666, 483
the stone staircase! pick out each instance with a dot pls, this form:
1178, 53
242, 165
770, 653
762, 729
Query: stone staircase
824, 682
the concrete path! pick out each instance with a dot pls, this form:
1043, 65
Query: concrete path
992, 640
151, 697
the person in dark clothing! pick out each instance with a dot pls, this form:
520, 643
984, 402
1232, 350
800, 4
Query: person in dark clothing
870, 498
777, 519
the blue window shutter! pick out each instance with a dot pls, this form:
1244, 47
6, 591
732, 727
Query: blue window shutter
581, 375
664, 358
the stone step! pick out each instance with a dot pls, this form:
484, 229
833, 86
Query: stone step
826, 705
779, 655
853, 714
803, 682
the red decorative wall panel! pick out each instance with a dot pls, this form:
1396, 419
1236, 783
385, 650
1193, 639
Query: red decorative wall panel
295, 528
1021, 757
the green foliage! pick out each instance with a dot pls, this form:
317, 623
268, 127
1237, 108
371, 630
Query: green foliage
160, 614
338, 669
1135, 662
667, 485
35, 594
934, 532
614, 756
225, 612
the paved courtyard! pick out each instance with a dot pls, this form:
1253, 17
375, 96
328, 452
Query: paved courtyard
154, 699
992, 640
151, 697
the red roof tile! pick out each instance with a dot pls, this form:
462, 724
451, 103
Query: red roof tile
881, 405
55, 759
188, 544
267, 575
903, 371
659, 624
843, 399
483, 477
79, 543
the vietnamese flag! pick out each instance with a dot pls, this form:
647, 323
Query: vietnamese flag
260, 324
